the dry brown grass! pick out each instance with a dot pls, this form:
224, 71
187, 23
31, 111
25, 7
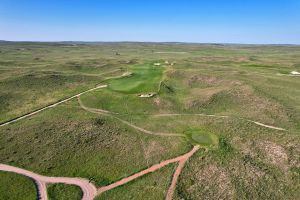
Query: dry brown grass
214, 181
275, 153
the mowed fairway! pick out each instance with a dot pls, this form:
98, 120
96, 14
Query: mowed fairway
142, 79
224, 122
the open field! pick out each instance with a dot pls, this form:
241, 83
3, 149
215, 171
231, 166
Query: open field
63, 192
14, 186
224, 121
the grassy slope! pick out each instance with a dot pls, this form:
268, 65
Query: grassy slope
144, 78
248, 82
14, 187
156, 184
63, 192
68, 141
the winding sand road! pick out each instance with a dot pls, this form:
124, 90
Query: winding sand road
101, 111
267, 126
219, 116
108, 113
88, 189
182, 159
50, 106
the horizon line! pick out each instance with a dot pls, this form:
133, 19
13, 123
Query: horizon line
133, 41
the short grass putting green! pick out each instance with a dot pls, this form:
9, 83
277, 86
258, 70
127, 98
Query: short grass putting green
202, 137
144, 78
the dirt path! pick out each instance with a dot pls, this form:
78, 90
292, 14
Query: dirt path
267, 126
182, 159
88, 189
197, 114
180, 167
170, 115
219, 116
108, 113
49, 106
94, 110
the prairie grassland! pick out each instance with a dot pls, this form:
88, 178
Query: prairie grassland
63, 192
14, 186
219, 90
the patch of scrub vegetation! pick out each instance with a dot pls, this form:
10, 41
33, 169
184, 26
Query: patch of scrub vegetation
202, 137
63, 192
144, 78
14, 186
151, 186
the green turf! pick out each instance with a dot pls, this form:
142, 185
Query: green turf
15, 187
243, 82
155, 183
63, 192
202, 137
144, 78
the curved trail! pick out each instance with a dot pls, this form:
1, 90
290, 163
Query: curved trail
50, 106
267, 126
219, 116
187, 114
101, 111
181, 159
108, 113
88, 189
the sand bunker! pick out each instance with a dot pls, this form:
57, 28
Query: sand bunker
295, 73
127, 74
146, 95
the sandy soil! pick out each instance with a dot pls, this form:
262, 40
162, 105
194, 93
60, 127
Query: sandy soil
182, 159
267, 126
180, 167
88, 189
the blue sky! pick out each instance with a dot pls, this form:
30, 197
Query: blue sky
223, 21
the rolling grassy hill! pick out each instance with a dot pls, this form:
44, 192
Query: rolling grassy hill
238, 102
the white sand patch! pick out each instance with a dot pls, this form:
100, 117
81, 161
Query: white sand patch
146, 95
127, 74
295, 73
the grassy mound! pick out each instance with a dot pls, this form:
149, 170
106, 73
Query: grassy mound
202, 137
144, 78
